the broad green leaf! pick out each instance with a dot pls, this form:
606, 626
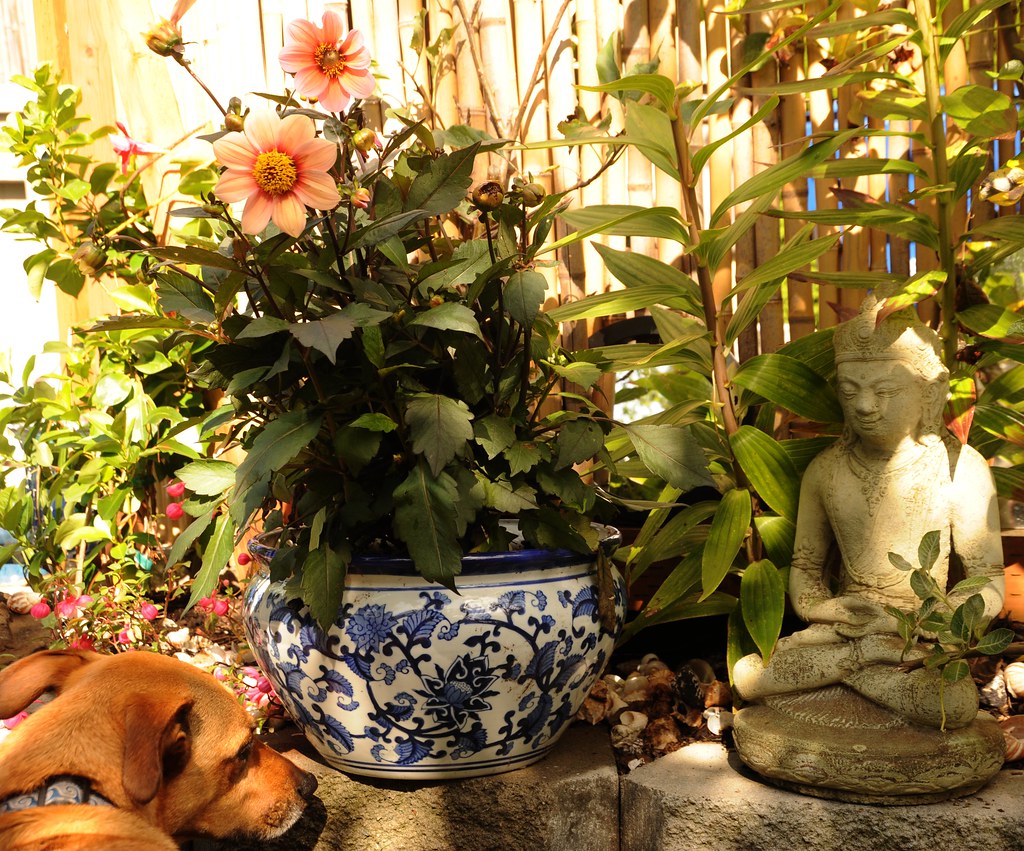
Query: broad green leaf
278, 443
579, 440
522, 457
768, 468
187, 537
184, 296
897, 103
678, 584
524, 294
215, 557
990, 320
685, 609
468, 260
672, 453
967, 616
923, 584
639, 270
36, 268
450, 316
763, 601
921, 286
981, 111
263, 326
899, 562
323, 583
975, 12
866, 166
639, 297
440, 428
651, 133
750, 307
790, 384
778, 535
671, 540
356, 447
494, 433
507, 498
995, 642
133, 298
955, 671
443, 184
111, 389
582, 373
1009, 482
208, 477
661, 87
622, 220
324, 334
729, 527
195, 257
738, 642
972, 583
928, 551
791, 258
384, 229
425, 520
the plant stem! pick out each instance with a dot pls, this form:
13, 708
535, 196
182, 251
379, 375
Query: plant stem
937, 138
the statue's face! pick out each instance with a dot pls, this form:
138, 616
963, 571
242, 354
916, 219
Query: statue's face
881, 400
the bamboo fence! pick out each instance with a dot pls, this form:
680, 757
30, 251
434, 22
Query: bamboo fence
510, 67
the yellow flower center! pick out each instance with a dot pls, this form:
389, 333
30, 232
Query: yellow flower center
275, 172
328, 60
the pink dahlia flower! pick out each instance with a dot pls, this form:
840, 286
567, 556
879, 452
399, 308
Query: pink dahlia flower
279, 167
328, 65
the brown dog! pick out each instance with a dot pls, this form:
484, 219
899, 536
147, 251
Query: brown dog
162, 742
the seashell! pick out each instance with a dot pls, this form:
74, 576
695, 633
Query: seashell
625, 738
595, 705
636, 684
994, 694
1013, 733
614, 704
717, 693
1013, 674
649, 668
646, 660
614, 682
632, 720
718, 720
180, 639
21, 602
662, 736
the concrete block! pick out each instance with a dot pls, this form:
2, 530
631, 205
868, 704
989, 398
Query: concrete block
702, 797
567, 801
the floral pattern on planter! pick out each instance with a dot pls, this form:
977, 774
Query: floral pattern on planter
413, 681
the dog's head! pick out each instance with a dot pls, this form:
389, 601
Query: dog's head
155, 736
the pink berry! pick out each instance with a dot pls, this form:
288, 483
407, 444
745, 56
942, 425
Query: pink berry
174, 511
40, 610
176, 490
220, 607
148, 611
244, 559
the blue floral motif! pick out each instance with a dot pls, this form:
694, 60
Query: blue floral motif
456, 694
434, 682
370, 627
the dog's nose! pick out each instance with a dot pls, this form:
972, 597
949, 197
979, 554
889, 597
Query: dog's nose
307, 786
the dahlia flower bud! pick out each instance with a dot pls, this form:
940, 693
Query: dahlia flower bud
164, 39
365, 140
89, 258
488, 196
533, 194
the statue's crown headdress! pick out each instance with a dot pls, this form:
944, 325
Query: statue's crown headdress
899, 336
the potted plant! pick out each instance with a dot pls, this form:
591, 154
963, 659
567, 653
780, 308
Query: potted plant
435, 599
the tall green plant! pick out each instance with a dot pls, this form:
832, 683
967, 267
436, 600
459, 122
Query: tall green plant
732, 432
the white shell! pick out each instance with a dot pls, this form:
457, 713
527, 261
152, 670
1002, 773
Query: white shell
633, 720
1014, 676
21, 602
718, 720
614, 682
637, 683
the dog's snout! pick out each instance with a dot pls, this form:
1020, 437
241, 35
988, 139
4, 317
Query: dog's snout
307, 786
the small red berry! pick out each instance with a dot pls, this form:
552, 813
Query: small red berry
175, 511
176, 490
148, 611
244, 559
40, 610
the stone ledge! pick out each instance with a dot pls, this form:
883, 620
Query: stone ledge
568, 800
701, 797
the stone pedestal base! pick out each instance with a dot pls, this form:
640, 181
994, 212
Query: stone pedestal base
833, 743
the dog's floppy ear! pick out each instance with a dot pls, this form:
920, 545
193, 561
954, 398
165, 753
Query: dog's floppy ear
157, 743
23, 681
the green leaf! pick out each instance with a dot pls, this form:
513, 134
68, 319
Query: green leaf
923, 584
661, 87
703, 154
263, 326
440, 427
650, 132
374, 422
792, 257
995, 642
524, 294
955, 671
981, 111
928, 551
990, 320
443, 184
324, 334
187, 537
277, 444
672, 453
967, 617
495, 434
622, 220
111, 389
385, 228
579, 440
639, 297
507, 498
323, 583
425, 520
582, 373
790, 384
729, 527
195, 257
523, 457
215, 557
897, 103
36, 268
639, 270
450, 316
972, 583
763, 601
185, 296
778, 535
899, 562
208, 477
768, 468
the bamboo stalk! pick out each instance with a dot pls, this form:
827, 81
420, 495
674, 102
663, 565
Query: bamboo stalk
613, 181
667, 191
980, 49
587, 47
493, 28
636, 49
440, 17
719, 126
899, 187
955, 74
470, 98
823, 120
413, 69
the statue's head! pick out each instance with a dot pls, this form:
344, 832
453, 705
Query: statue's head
902, 355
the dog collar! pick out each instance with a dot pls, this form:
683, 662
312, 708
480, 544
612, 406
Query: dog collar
57, 790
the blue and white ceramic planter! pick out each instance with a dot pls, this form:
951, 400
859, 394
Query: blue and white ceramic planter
415, 682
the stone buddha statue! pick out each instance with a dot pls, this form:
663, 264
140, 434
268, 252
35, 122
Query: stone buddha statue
834, 714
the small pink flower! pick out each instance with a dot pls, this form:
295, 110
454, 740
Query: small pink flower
40, 610
124, 637
126, 147
82, 643
70, 606
328, 65
361, 198
220, 607
214, 604
148, 611
243, 559
176, 490
278, 167
175, 511
219, 673
11, 723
